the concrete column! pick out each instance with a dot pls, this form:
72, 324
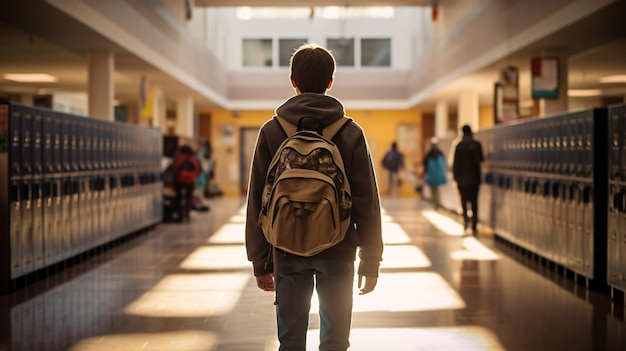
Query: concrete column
101, 70
441, 119
185, 117
468, 109
561, 103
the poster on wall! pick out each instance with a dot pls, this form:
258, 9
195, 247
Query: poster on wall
545, 77
506, 95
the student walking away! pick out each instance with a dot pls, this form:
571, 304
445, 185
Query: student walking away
393, 162
435, 171
186, 170
468, 156
313, 204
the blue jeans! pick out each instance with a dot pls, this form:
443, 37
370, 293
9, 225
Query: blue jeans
333, 280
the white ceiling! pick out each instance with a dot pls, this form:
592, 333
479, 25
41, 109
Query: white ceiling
597, 46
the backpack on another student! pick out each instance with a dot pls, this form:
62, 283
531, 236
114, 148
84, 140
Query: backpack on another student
306, 202
186, 172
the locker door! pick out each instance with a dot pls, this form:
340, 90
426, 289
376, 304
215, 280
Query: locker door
15, 213
587, 231
613, 259
65, 229
622, 238
27, 245
48, 222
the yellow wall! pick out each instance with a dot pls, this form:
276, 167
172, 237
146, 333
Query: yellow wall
380, 129
485, 117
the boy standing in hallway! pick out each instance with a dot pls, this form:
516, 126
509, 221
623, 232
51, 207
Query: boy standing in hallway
468, 156
330, 272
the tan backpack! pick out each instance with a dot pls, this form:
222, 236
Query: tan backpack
306, 202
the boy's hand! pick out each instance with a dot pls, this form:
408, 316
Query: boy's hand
266, 282
370, 284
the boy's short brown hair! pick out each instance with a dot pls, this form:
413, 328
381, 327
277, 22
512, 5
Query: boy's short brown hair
312, 68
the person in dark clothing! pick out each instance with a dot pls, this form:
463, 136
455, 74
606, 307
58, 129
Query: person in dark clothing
393, 162
330, 272
435, 170
468, 156
186, 169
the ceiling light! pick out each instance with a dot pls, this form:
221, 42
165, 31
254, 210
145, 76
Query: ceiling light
614, 79
584, 92
30, 77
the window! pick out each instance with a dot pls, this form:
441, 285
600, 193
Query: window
343, 50
376, 52
286, 47
257, 53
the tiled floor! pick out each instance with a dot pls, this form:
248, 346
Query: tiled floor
189, 287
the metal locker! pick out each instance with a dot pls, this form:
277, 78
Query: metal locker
622, 132
15, 172
622, 239
15, 215
65, 229
27, 243
36, 188
587, 230
615, 143
614, 236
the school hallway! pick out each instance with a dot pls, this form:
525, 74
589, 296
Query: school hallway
189, 287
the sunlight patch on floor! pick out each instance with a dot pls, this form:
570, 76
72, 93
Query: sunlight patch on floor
405, 292
404, 256
394, 234
444, 223
229, 233
473, 249
468, 338
217, 257
161, 341
191, 295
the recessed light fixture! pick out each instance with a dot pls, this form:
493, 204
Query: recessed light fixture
30, 77
584, 92
620, 78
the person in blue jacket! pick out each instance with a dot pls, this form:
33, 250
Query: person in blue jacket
435, 170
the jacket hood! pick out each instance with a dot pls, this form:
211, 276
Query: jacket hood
321, 107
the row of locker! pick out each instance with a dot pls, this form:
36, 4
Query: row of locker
552, 217
554, 186
48, 142
559, 145
69, 184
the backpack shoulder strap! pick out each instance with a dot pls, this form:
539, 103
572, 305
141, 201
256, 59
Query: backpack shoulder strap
287, 127
329, 131
334, 128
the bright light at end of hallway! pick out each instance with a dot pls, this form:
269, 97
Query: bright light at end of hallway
443, 223
177, 340
474, 250
191, 295
411, 339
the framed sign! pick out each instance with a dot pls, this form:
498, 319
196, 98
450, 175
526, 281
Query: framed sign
545, 77
506, 95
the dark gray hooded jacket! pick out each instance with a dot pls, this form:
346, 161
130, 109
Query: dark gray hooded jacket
365, 233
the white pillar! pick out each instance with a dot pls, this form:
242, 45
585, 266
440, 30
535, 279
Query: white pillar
468, 109
185, 116
101, 84
561, 103
441, 119
158, 108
